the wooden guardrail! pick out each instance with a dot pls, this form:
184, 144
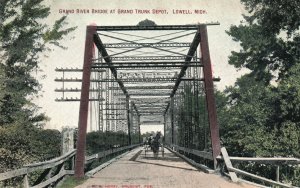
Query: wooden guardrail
234, 171
276, 160
46, 166
102, 154
53, 170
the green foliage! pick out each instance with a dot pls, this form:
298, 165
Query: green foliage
24, 37
22, 144
101, 141
275, 16
262, 118
98, 141
258, 122
269, 39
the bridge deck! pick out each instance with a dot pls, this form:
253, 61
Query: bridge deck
140, 171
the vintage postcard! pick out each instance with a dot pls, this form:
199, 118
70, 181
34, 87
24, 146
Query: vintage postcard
149, 93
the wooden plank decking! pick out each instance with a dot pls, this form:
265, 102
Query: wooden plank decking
135, 170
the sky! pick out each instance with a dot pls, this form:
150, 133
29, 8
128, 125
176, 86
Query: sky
107, 12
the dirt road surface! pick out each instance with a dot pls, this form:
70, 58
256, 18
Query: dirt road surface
137, 170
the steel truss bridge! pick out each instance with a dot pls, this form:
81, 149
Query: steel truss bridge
135, 72
145, 74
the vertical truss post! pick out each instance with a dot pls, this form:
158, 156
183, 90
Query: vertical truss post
131, 118
172, 120
106, 101
165, 124
128, 120
139, 124
84, 102
100, 104
209, 89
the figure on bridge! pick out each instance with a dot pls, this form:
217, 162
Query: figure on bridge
154, 143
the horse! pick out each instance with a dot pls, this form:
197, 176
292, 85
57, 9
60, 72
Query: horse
155, 144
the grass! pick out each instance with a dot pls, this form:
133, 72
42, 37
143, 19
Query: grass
71, 182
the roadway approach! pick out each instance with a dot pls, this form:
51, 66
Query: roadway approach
136, 169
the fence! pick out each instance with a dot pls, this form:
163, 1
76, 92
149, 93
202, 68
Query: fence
55, 169
232, 171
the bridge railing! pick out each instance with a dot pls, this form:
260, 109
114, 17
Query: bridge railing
261, 160
202, 154
232, 171
53, 170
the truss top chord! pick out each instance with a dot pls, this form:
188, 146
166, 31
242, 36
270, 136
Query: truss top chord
157, 27
135, 45
143, 58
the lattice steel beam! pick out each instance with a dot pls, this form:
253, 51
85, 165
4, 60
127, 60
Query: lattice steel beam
157, 27
150, 63
147, 58
142, 66
149, 94
143, 113
150, 108
146, 65
151, 114
146, 87
136, 45
152, 105
149, 91
129, 80
150, 122
137, 102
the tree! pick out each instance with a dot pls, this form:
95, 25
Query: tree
249, 117
269, 38
21, 145
24, 36
263, 117
100, 141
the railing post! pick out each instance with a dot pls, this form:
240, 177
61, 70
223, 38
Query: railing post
209, 90
228, 164
277, 173
25, 181
84, 101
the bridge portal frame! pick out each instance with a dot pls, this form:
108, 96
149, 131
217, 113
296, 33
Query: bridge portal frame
93, 38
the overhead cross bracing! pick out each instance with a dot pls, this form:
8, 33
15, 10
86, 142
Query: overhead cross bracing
143, 71
166, 49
